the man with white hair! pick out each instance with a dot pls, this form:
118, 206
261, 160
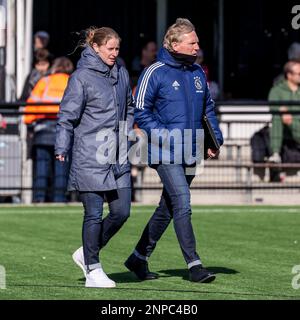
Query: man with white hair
172, 94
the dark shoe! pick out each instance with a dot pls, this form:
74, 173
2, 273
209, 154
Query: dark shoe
140, 268
200, 274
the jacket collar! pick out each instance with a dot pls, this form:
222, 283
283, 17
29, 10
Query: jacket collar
165, 57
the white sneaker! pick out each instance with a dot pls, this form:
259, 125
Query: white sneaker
98, 279
78, 258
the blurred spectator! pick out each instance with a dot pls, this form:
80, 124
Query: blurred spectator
293, 55
43, 126
213, 86
42, 62
146, 57
285, 131
41, 40
294, 51
200, 61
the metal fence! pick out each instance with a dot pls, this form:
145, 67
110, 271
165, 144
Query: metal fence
232, 173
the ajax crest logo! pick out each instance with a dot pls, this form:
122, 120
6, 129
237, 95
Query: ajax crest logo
198, 83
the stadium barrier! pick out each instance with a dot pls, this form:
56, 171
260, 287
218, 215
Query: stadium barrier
233, 171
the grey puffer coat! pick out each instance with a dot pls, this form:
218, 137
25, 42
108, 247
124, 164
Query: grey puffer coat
96, 98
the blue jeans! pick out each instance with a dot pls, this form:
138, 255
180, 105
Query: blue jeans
44, 165
174, 203
96, 232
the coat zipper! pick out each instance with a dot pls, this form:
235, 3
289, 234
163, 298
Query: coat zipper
116, 108
190, 106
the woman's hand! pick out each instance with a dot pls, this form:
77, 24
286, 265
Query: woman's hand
60, 157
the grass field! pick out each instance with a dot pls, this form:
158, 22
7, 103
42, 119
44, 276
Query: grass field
252, 250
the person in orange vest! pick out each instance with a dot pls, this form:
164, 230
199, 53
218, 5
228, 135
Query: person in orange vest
41, 121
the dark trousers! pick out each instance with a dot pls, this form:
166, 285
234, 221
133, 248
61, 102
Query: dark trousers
174, 203
46, 166
96, 232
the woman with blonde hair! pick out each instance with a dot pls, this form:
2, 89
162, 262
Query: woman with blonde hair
97, 98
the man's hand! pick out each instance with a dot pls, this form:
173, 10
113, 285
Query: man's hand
212, 153
286, 118
60, 157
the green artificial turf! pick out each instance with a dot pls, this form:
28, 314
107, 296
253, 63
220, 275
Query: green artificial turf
252, 249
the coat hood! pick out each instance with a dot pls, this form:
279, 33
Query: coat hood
283, 85
90, 60
285, 91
